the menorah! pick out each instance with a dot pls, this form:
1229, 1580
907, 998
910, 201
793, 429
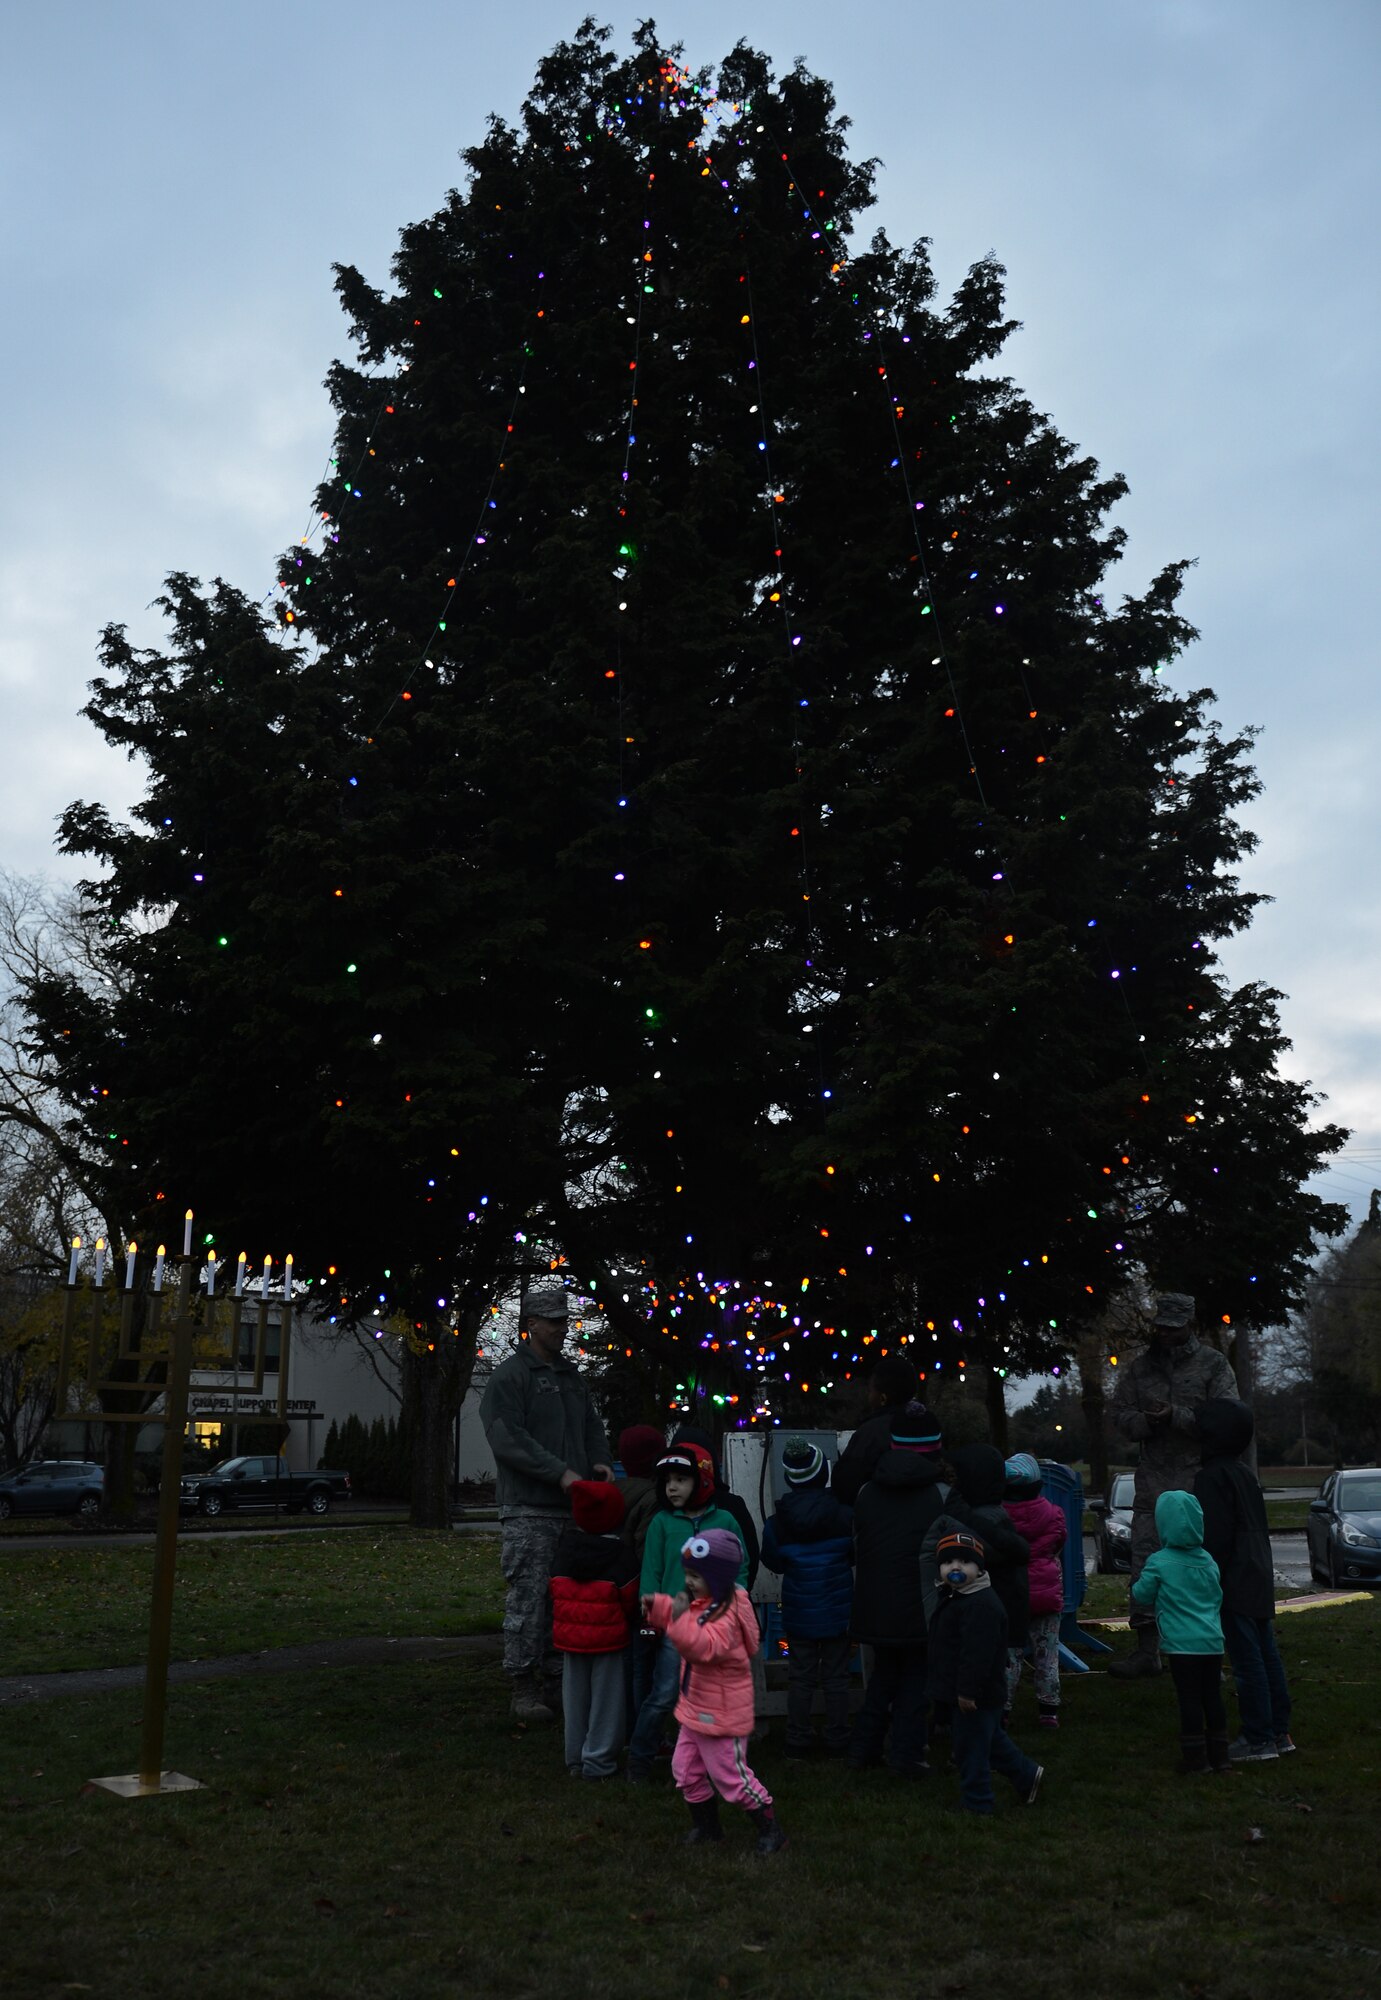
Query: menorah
170, 1332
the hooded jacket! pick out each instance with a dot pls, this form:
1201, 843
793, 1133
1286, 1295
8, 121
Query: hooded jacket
1180, 1581
892, 1516
857, 1462
594, 1592
1236, 1533
975, 1503
727, 1500
1042, 1526
670, 1528
716, 1695
809, 1542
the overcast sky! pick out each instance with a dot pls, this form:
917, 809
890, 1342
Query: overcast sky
1184, 192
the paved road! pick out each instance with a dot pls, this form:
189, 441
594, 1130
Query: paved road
1290, 1553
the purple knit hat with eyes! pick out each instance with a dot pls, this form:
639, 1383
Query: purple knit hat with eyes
718, 1556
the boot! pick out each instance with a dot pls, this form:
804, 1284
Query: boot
527, 1704
770, 1838
1219, 1758
1145, 1660
1193, 1756
704, 1822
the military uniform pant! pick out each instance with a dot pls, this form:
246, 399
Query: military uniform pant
527, 1552
1145, 1542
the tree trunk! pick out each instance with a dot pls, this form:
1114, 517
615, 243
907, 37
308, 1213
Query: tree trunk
996, 1393
435, 1378
1094, 1402
1244, 1368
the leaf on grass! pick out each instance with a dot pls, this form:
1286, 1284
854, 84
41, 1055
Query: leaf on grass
644, 1916
324, 1907
396, 1910
1254, 1833
1300, 1806
723, 1981
754, 1947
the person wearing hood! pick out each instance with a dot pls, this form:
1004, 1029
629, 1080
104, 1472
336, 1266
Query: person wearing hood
809, 1543
640, 1447
1042, 1526
685, 1491
975, 1503
1158, 1399
892, 1385
1180, 1587
892, 1516
968, 1674
726, 1499
1237, 1537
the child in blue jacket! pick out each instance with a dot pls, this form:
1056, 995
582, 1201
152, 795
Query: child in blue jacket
809, 1542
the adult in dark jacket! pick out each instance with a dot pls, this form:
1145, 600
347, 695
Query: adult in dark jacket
809, 1542
726, 1498
892, 1385
892, 1516
1236, 1535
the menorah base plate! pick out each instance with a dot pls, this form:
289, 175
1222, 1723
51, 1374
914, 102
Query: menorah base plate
135, 1787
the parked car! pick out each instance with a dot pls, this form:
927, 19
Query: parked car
1343, 1528
262, 1482
53, 1486
1115, 1529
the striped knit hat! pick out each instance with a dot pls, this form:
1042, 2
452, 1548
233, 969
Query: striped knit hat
1023, 1476
915, 1429
803, 1463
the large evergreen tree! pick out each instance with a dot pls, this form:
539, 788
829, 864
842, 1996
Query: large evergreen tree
690, 804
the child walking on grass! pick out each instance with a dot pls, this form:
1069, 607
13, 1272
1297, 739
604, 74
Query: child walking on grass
714, 1629
968, 1672
1180, 1583
1041, 1524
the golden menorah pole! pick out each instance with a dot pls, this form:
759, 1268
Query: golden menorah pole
151, 1780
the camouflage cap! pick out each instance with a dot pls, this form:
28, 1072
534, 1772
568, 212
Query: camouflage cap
547, 1302
1174, 1309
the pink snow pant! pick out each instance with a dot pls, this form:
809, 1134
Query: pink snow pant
704, 1765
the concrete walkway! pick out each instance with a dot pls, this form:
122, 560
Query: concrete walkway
254, 1666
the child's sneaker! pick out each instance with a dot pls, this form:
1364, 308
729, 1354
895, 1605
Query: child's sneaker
1285, 1744
1047, 1719
770, 1838
1035, 1785
1243, 1752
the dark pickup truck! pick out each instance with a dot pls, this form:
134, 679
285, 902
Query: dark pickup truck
262, 1482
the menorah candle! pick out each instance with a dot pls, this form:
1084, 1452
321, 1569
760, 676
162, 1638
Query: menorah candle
240, 1270
72, 1261
211, 1276
268, 1269
288, 1276
158, 1268
187, 1234
130, 1255
100, 1261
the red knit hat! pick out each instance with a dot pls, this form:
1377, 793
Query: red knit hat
597, 1506
640, 1446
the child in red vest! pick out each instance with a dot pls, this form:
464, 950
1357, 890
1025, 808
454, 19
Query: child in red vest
594, 1594
714, 1628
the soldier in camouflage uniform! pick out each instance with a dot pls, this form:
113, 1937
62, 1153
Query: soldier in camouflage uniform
1158, 1399
544, 1434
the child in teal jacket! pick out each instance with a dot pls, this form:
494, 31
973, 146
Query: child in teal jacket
1181, 1583
685, 1487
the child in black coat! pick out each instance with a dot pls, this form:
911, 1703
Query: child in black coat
1238, 1538
968, 1670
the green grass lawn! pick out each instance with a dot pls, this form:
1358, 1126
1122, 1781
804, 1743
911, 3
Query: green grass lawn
387, 1834
76, 1607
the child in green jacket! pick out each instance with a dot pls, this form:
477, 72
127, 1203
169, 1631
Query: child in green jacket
1181, 1582
685, 1484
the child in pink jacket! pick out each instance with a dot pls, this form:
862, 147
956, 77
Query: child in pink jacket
1042, 1524
713, 1626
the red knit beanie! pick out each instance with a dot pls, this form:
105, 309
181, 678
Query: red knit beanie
597, 1506
640, 1446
